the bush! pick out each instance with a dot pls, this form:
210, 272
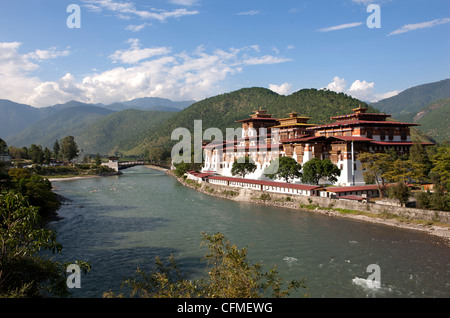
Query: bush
230, 276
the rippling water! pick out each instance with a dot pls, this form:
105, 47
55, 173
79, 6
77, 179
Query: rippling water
119, 223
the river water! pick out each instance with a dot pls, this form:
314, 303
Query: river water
123, 222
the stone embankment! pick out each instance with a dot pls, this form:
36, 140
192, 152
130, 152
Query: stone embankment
430, 221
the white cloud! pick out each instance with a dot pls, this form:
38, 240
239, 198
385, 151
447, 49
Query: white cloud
283, 89
137, 27
418, 26
135, 54
338, 85
51, 53
341, 26
251, 12
184, 2
16, 69
126, 9
358, 89
267, 59
141, 72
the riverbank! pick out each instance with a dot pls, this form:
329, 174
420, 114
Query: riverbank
407, 218
87, 176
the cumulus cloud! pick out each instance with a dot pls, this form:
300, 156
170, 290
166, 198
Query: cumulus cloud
362, 90
138, 72
418, 26
283, 89
16, 69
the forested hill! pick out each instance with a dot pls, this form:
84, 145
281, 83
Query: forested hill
224, 110
405, 105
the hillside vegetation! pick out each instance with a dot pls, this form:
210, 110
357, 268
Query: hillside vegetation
434, 120
120, 131
405, 105
222, 111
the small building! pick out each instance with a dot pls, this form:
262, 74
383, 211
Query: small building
113, 163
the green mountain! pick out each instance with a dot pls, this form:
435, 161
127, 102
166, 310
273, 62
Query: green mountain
67, 121
120, 131
406, 104
434, 120
224, 110
15, 117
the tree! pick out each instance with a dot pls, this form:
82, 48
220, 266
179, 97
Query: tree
400, 191
23, 272
286, 168
230, 276
56, 149
69, 149
98, 160
36, 154
243, 168
3, 147
375, 166
441, 167
47, 155
316, 169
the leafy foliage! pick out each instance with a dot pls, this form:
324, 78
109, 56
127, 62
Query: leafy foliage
286, 168
316, 169
243, 168
230, 276
23, 273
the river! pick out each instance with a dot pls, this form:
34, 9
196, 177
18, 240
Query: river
119, 223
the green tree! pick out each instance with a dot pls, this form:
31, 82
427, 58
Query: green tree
36, 154
419, 156
286, 168
375, 166
98, 160
399, 191
47, 155
3, 147
230, 275
69, 149
56, 149
23, 272
441, 167
316, 169
243, 168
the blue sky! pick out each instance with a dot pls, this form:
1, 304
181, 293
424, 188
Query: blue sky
193, 49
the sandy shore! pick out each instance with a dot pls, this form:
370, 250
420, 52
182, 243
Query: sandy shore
72, 178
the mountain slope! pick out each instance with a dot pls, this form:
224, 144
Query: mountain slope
15, 117
119, 131
434, 120
405, 105
224, 110
67, 121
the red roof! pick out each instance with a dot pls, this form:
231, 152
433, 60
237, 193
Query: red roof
352, 188
399, 143
357, 188
268, 183
363, 122
257, 118
351, 138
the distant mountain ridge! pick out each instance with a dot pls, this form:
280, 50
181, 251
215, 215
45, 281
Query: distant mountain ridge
406, 104
134, 127
16, 117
